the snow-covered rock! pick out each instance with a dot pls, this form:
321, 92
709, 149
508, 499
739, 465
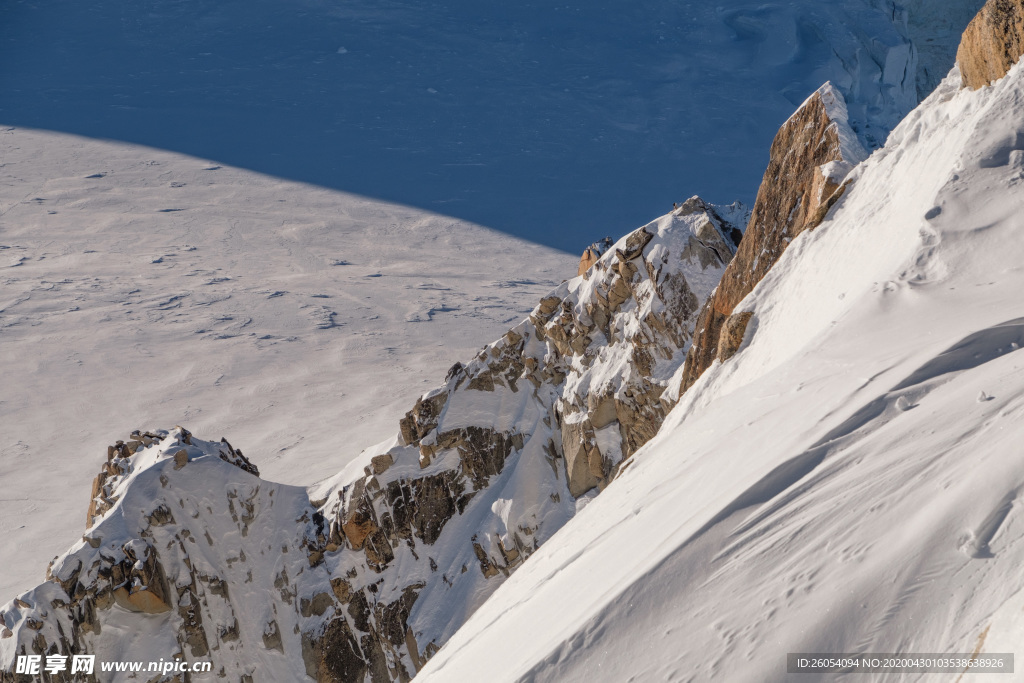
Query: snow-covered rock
189, 555
837, 486
592, 253
489, 466
403, 545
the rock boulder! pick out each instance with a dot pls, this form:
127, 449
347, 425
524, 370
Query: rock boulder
992, 43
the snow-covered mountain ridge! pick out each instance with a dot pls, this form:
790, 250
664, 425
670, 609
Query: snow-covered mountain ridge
395, 557
849, 480
413, 536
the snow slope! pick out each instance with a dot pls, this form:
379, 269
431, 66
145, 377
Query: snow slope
849, 481
143, 288
558, 122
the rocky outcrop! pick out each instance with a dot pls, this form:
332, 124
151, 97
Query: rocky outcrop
733, 332
488, 466
368, 581
178, 553
592, 253
992, 43
118, 465
810, 157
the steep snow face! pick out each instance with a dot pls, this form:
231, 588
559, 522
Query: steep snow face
141, 287
849, 480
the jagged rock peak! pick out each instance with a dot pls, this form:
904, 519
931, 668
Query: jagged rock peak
190, 548
992, 43
729, 220
401, 547
120, 464
811, 156
488, 466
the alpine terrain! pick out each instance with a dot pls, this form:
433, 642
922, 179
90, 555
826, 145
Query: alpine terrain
734, 434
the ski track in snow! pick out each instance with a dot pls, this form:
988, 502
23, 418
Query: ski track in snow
298, 322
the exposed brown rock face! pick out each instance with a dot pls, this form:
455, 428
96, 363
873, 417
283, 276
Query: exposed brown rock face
992, 43
141, 584
592, 253
588, 259
733, 330
793, 197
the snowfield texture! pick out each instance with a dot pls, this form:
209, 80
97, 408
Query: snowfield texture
849, 481
147, 288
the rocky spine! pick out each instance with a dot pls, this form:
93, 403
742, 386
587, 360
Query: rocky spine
368, 581
810, 157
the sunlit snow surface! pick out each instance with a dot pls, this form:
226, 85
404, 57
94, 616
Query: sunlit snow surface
850, 481
142, 288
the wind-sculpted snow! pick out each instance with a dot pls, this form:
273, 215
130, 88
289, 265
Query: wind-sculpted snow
849, 480
368, 581
977, 349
